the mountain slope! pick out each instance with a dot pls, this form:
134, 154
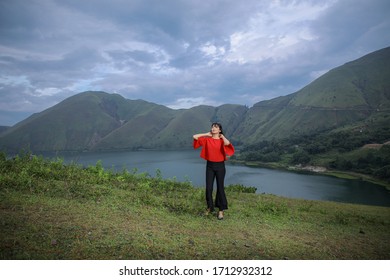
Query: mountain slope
77, 123
139, 131
102, 121
347, 94
363, 83
3, 129
353, 96
164, 128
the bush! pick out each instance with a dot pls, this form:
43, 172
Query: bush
300, 157
240, 188
383, 172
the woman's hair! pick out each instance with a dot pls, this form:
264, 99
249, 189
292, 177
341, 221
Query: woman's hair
217, 124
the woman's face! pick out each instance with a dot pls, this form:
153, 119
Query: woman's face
215, 129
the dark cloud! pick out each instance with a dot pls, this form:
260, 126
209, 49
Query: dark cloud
177, 53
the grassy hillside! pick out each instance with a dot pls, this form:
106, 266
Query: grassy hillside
258, 117
74, 124
164, 128
343, 96
362, 148
363, 83
3, 129
139, 131
102, 121
50, 210
327, 123
178, 133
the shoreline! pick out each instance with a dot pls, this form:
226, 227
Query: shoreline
311, 169
305, 169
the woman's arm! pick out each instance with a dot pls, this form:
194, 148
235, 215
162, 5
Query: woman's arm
225, 140
197, 136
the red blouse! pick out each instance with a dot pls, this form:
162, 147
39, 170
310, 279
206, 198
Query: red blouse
213, 149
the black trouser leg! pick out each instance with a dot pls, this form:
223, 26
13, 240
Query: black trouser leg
216, 170
210, 175
220, 199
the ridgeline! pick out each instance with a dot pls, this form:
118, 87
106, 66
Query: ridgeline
340, 121
351, 98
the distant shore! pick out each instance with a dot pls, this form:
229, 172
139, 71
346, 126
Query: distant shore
311, 169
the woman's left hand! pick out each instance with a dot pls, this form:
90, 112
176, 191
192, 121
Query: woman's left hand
225, 140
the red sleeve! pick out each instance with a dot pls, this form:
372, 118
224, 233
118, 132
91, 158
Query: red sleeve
198, 143
229, 149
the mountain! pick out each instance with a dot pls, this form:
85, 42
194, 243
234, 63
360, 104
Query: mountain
353, 92
102, 121
74, 124
3, 129
352, 96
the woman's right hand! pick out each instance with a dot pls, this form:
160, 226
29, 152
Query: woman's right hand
208, 134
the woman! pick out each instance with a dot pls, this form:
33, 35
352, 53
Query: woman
215, 147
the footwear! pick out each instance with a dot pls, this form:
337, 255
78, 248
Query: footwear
208, 211
220, 215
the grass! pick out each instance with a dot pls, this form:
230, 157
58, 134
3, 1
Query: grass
50, 210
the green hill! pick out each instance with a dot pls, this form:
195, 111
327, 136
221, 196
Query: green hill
102, 121
353, 92
353, 95
3, 129
77, 123
327, 123
360, 84
54, 211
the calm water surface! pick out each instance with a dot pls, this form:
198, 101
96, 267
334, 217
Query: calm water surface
188, 166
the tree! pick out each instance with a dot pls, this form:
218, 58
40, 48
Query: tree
300, 157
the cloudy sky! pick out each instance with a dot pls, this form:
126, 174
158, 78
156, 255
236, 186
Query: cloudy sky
178, 53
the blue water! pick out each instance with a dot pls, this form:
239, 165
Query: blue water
188, 166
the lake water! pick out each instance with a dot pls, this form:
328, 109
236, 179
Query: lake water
188, 166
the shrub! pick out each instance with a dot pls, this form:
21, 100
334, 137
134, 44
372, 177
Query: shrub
300, 157
240, 188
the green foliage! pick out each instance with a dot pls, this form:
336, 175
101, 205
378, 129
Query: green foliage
50, 210
39, 175
383, 172
240, 188
339, 149
354, 94
300, 157
270, 207
265, 151
102, 121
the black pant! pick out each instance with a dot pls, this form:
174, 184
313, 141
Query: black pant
216, 170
